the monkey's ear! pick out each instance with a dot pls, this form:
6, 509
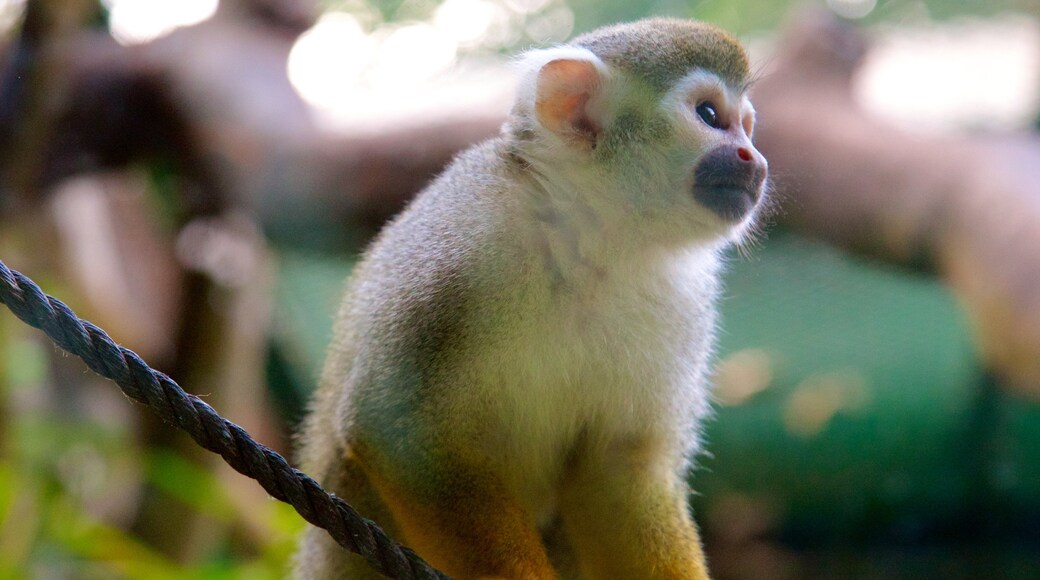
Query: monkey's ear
567, 89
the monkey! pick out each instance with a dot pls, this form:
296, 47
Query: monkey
519, 369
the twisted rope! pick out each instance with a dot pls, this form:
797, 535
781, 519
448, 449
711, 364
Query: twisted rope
213, 432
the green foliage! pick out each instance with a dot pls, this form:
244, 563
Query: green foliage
861, 360
69, 489
871, 419
307, 293
192, 484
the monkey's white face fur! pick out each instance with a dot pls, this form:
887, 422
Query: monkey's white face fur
649, 183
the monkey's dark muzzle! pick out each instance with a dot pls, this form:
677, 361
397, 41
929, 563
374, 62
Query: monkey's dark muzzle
728, 181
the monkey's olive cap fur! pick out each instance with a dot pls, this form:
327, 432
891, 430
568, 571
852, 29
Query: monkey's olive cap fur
661, 50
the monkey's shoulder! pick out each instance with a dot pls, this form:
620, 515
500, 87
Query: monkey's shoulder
448, 257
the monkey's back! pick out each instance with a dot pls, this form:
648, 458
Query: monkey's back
410, 303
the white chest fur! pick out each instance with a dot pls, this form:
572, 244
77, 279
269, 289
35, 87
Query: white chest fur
605, 347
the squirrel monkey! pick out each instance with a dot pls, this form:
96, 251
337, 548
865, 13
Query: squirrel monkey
519, 367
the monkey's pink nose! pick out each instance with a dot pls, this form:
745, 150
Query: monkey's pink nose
744, 154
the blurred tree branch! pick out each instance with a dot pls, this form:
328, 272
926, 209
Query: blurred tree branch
31, 92
966, 209
214, 100
75, 103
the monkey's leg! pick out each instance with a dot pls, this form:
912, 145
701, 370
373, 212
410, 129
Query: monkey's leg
467, 526
626, 516
320, 557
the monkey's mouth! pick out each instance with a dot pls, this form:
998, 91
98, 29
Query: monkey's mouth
728, 181
730, 201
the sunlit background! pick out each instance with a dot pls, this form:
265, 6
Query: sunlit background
357, 64
308, 130
352, 65
140, 21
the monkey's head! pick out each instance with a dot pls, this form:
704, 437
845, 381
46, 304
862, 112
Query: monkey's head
651, 118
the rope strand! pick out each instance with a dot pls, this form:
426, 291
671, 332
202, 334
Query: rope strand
213, 432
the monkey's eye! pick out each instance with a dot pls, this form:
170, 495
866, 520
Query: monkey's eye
706, 111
